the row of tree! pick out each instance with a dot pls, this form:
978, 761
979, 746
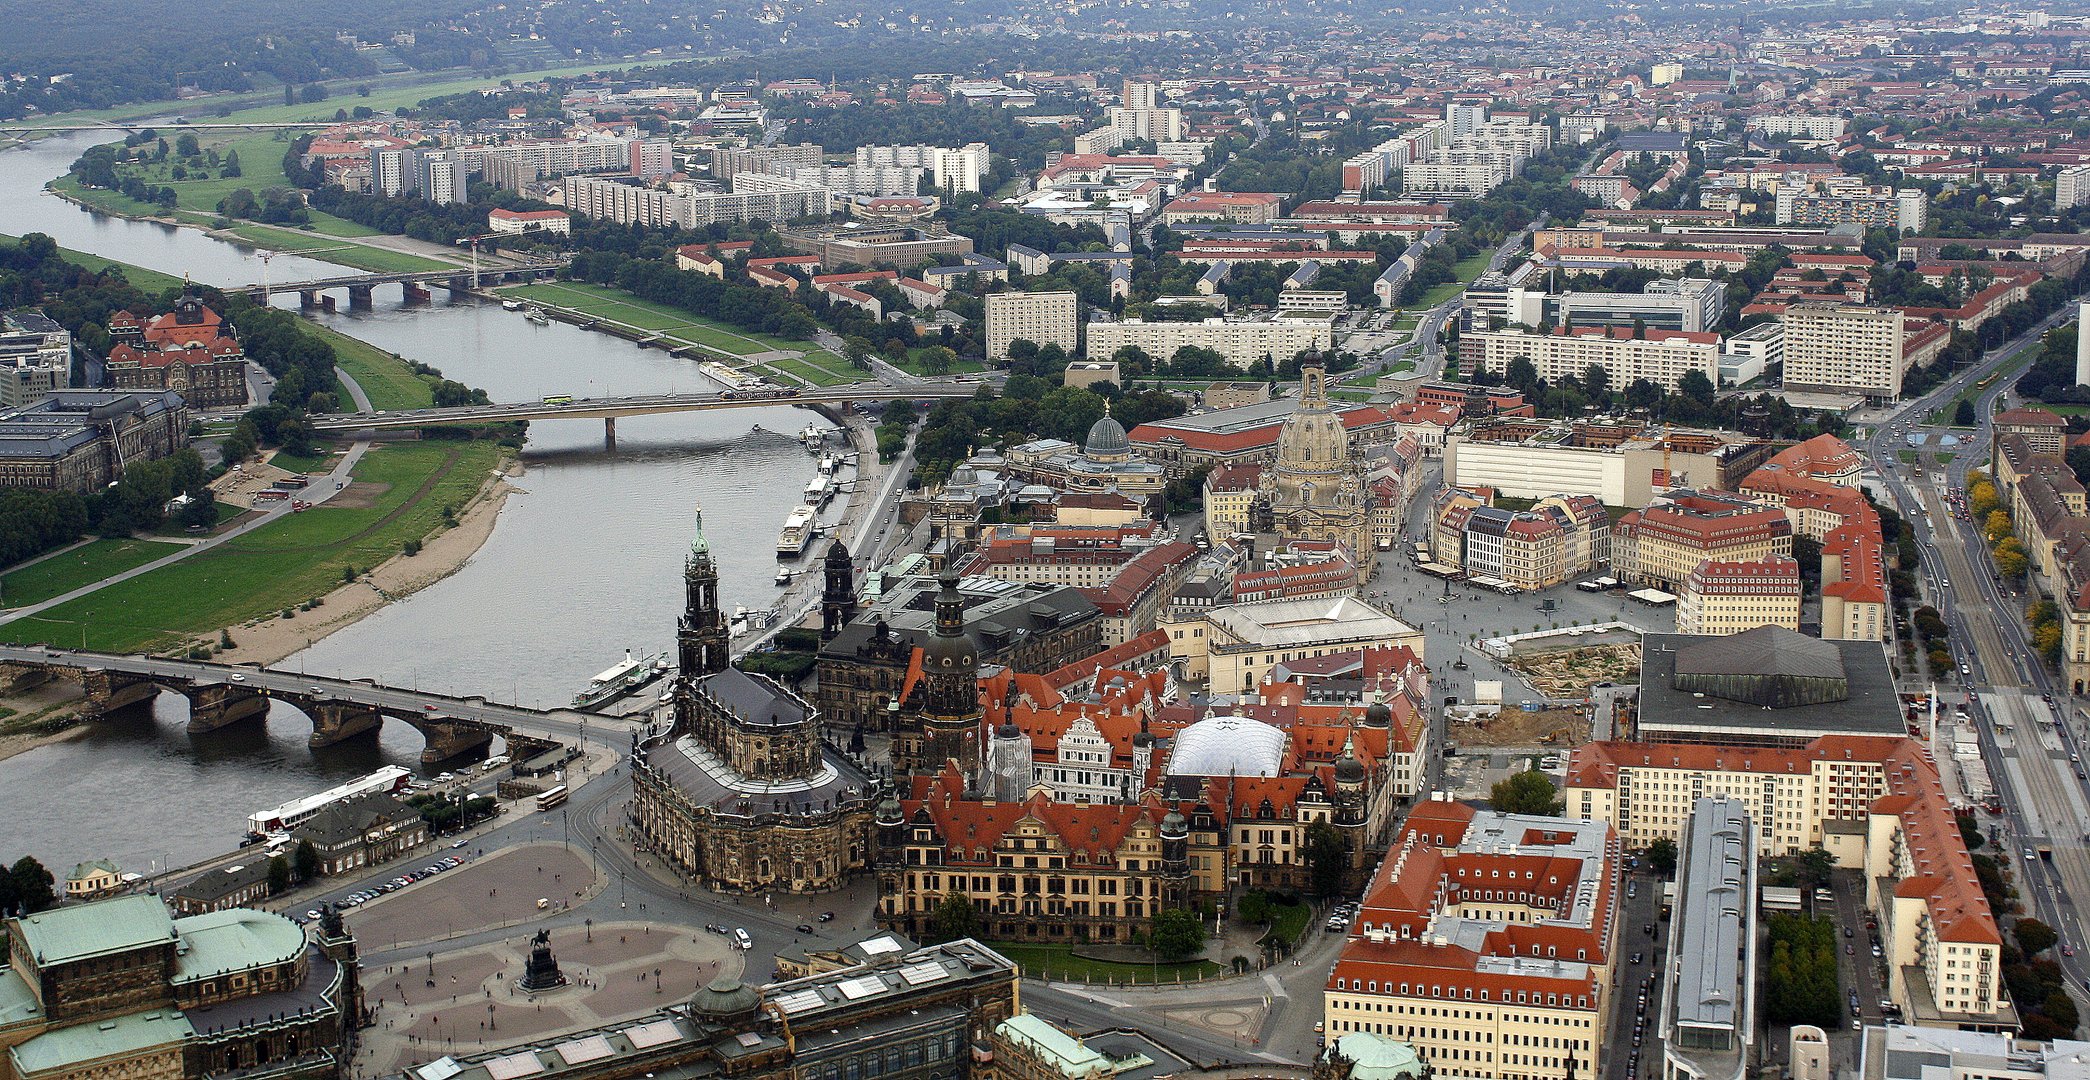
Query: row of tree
1800, 977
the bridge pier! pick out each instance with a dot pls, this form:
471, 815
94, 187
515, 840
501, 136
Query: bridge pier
213, 707
460, 283
415, 293
335, 722
112, 693
609, 433
450, 739
308, 298
327, 303
359, 297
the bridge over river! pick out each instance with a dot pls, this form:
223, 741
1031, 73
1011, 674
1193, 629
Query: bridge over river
340, 709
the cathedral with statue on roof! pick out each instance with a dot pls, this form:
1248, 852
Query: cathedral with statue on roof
1316, 489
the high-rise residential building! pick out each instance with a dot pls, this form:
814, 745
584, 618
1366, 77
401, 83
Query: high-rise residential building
1666, 73
1142, 95
1042, 318
1850, 201
2072, 187
1845, 349
2082, 345
962, 168
1810, 127
1156, 125
652, 158
438, 176
1464, 119
732, 161
1487, 941
389, 175
756, 196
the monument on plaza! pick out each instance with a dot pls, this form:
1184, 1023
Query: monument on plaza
541, 972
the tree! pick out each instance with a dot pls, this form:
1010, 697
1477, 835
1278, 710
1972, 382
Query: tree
938, 360
1528, 792
1996, 525
185, 145
2035, 937
232, 169
1981, 497
954, 918
1812, 867
1963, 414
1254, 907
32, 885
279, 874
1695, 386
1661, 857
1596, 382
306, 860
1327, 857
2011, 560
1177, 935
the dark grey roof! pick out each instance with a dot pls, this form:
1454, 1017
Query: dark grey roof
213, 885
1766, 650
348, 818
1866, 702
999, 615
754, 700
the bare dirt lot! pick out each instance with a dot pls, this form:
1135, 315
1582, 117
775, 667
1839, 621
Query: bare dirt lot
1515, 727
1567, 674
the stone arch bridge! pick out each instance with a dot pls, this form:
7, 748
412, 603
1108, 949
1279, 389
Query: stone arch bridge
221, 695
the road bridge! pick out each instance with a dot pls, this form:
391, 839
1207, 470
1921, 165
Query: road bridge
139, 125
413, 282
610, 408
221, 695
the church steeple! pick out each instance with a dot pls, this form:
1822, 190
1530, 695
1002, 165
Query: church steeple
838, 598
701, 645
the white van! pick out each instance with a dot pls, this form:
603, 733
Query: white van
741, 939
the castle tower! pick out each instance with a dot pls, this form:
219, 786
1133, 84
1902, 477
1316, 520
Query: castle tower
950, 717
1142, 761
1175, 861
1349, 790
700, 639
838, 598
891, 859
1008, 773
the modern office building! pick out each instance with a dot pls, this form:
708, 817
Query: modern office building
36, 357
1764, 687
1043, 318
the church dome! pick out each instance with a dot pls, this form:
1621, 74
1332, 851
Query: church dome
725, 997
1349, 770
1106, 436
1008, 730
1378, 714
837, 554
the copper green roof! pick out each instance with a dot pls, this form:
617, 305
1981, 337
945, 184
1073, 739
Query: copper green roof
235, 939
80, 932
67, 1048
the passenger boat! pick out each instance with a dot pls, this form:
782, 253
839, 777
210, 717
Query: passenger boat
621, 679
797, 533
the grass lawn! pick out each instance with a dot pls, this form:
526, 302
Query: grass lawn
1403, 366
619, 306
817, 374
385, 378
61, 574
333, 249
1471, 266
319, 462
1908, 457
1288, 922
913, 364
295, 559
1059, 962
1350, 395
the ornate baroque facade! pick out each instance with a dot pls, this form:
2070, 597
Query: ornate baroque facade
737, 790
1316, 490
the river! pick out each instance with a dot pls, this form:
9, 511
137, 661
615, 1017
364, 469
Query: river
584, 563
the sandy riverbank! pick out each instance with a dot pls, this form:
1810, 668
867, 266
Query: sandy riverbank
269, 640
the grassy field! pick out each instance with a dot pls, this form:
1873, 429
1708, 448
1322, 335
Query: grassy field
61, 574
913, 364
1288, 922
619, 306
298, 558
819, 374
1059, 962
334, 250
384, 378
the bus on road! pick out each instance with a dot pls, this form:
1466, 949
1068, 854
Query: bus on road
553, 798
559, 399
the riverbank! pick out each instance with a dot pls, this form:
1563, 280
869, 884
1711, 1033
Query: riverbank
268, 640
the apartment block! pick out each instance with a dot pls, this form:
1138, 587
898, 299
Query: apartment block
2072, 187
757, 196
961, 168
1810, 127
1046, 318
1660, 356
1240, 341
728, 162
36, 358
1845, 349
1486, 941
1838, 201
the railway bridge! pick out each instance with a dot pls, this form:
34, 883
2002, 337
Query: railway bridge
221, 695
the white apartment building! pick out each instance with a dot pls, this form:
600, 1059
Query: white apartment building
1844, 349
1452, 181
862, 179
961, 168
1726, 596
1241, 341
1662, 357
1809, 127
1848, 201
2072, 187
389, 174
1464, 119
767, 198
1042, 318
438, 176
1156, 125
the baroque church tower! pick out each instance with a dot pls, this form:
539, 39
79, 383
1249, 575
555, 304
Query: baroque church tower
949, 725
700, 639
